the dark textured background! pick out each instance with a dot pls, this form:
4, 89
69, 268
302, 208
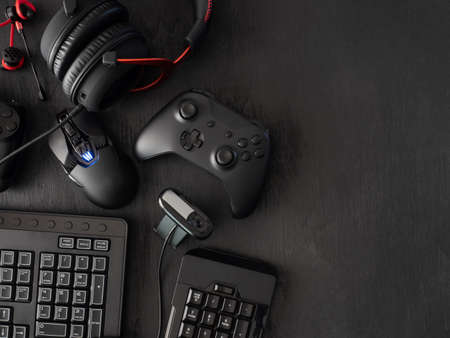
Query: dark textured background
355, 213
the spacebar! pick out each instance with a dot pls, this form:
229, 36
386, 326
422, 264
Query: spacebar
50, 330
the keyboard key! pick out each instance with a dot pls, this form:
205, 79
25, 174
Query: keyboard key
84, 244
6, 292
61, 313
99, 264
64, 262
6, 275
78, 314
241, 329
101, 245
5, 314
43, 312
79, 297
63, 279
25, 259
191, 314
62, 296
24, 276
246, 310
223, 289
80, 280
186, 331
7, 258
94, 330
20, 331
212, 301
47, 261
95, 316
225, 323
45, 295
229, 305
76, 331
46, 278
209, 318
54, 330
97, 290
4, 331
22, 294
66, 242
204, 333
95, 322
222, 335
195, 297
81, 263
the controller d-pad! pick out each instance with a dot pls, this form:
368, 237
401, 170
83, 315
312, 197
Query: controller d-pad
189, 140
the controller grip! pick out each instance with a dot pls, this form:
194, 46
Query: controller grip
203, 11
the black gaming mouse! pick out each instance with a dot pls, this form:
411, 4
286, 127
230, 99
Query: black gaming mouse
91, 161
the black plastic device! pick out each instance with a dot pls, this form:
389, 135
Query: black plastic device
220, 295
11, 136
182, 214
88, 156
61, 275
203, 131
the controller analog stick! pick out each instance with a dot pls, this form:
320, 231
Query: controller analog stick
225, 156
188, 110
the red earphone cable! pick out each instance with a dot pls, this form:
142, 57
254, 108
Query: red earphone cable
11, 36
4, 23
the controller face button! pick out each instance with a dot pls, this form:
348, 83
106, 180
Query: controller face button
211, 124
256, 140
6, 114
229, 134
242, 143
246, 156
259, 153
188, 110
225, 156
12, 126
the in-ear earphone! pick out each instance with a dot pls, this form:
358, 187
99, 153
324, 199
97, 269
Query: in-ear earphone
90, 46
12, 57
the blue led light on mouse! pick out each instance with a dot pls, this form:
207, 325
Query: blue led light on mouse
88, 156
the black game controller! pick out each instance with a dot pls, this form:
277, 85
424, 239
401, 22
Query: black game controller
203, 131
89, 158
11, 133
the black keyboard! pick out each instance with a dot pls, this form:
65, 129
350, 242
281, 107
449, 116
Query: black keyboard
220, 296
61, 276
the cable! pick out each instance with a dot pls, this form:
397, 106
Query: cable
160, 299
41, 92
69, 115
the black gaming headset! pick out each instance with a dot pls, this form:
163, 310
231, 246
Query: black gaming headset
90, 46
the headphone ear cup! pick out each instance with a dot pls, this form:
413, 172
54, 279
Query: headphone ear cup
105, 15
89, 72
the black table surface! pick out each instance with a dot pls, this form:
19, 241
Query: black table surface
355, 211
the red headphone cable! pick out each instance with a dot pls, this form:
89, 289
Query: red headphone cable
166, 66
